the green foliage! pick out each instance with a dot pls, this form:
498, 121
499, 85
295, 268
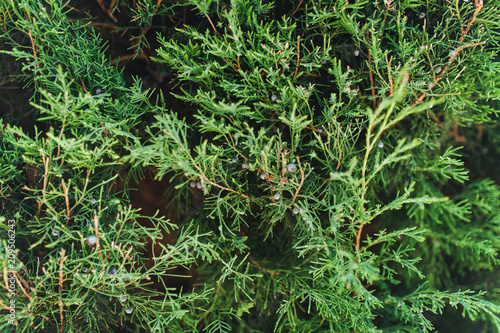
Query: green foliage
322, 137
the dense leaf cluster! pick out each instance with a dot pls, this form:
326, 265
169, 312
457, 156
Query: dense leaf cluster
324, 138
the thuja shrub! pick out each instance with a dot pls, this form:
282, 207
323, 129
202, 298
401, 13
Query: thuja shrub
329, 168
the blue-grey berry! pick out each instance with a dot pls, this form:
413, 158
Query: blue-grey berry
112, 271
291, 167
235, 159
274, 98
452, 53
421, 15
55, 232
123, 299
199, 185
381, 144
192, 184
263, 176
356, 53
91, 240
277, 196
98, 91
93, 201
295, 210
129, 310
245, 165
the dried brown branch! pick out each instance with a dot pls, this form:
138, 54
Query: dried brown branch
358, 236
296, 9
372, 82
456, 136
215, 184
213, 26
478, 4
298, 58
391, 81
128, 57
105, 25
45, 176
17, 277
61, 281
234, 147
302, 178
66, 199
34, 49
222, 187
5, 274
340, 156
104, 9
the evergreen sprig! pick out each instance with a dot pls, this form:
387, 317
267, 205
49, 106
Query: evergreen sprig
323, 140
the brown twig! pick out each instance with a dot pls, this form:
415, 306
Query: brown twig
129, 57
340, 156
283, 167
213, 26
31, 38
479, 132
5, 274
61, 281
260, 267
302, 177
58, 145
456, 136
298, 58
66, 199
34, 49
105, 25
23, 281
215, 184
45, 176
296, 9
479, 5
320, 132
391, 82
103, 7
96, 227
371, 81
358, 236
437, 79
222, 187
83, 86
158, 3
136, 40
21, 286
112, 4
234, 148
4, 306
457, 51
72, 8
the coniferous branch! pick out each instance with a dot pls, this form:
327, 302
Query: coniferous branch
316, 153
